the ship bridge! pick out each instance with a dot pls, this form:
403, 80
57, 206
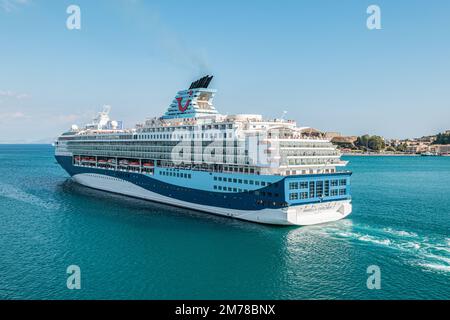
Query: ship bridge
195, 102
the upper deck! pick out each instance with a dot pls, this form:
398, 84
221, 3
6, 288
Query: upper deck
192, 134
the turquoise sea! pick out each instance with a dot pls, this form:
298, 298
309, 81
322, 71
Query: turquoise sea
133, 249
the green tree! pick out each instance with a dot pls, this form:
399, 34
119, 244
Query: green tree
402, 147
376, 143
363, 141
367, 142
442, 138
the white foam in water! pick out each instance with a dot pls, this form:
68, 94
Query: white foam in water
438, 257
12, 192
438, 267
413, 245
417, 250
400, 233
375, 240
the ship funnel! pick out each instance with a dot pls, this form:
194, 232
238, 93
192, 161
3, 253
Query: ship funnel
197, 101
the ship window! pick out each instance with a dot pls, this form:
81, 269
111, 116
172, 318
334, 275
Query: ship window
319, 189
263, 183
235, 180
334, 193
257, 183
293, 185
342, 192
343, 182
189, 176
303, 185
220, 187
215, 178
215, 187
334, 183
252, 182
304, 195
234, 190
245, 181
311, 189
293, 196
220, 178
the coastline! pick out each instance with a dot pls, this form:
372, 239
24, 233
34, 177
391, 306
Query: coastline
380, 155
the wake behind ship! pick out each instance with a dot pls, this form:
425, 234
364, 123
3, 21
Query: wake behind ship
239, 166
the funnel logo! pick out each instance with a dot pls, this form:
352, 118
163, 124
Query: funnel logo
186, 105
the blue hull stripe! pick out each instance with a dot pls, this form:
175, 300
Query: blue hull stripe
236, 201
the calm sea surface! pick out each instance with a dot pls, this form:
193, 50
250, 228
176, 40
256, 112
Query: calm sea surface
133, 249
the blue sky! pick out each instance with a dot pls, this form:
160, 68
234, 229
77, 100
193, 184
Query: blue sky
316, 59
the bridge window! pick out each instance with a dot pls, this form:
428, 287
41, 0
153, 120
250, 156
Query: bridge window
311, 189
293, 185
319, 189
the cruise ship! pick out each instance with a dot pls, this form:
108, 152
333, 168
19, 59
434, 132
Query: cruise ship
238, 166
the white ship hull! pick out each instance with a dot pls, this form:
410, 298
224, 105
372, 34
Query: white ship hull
301, 215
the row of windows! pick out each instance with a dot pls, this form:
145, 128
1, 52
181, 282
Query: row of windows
298, 185
190, 128
176, 174
297, 144
342, 182
257, 193
304, 184
311, 194
296, 196
244, 181
185, 136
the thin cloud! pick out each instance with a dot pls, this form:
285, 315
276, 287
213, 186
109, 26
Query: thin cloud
10, 5
14, 95
12, 116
